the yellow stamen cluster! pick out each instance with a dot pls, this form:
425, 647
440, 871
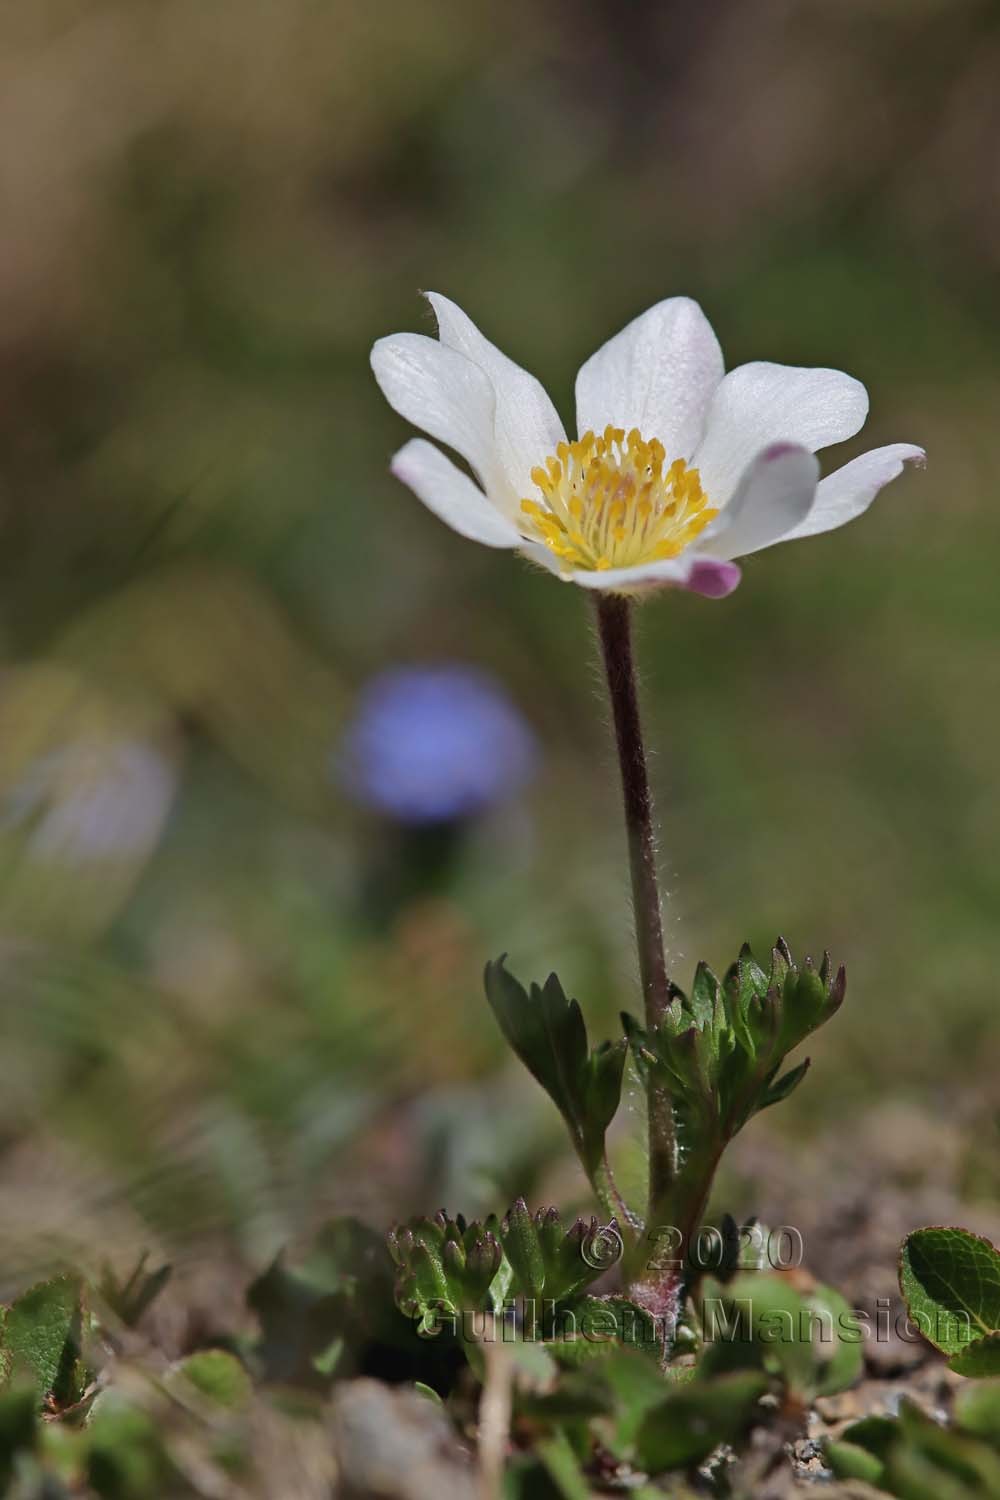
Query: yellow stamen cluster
610, 503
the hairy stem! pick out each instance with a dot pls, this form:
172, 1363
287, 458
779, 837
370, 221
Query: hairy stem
609, 1197
614, 623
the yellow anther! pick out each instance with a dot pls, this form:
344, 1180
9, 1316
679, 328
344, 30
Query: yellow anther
607, 501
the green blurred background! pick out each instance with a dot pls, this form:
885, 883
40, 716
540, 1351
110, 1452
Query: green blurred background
209, 1039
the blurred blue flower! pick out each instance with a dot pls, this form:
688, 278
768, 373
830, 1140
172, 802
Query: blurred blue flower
435, 745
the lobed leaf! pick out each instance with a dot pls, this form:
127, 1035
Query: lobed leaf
549, 1035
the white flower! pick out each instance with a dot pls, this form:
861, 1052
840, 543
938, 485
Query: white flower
679, 467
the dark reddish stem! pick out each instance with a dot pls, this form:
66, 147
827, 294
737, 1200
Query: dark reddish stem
614, 623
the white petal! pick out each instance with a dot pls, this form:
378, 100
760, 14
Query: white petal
452, 496
675, 570
658, 374
443, 393
526, 424
624, 579
773, 497
760, 404
849, 491
701, 575
537, 552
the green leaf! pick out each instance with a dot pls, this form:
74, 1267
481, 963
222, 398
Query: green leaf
523, 1248
549, 1263
545, 1029
839, 1358
875, 1434
977, 1409
217, 1376
850, 1462
601, 1091
126, 1459
719, 1053
694, 1419
812, 1341
638, 1385
862, 1449
563, 1467
525, 1477
548, 1033
941, 1464
979, 1360
785, 1085
422, 1283
592, 1328
580, 1393
42, 1337
950, 1280
17, 1429
447, 1266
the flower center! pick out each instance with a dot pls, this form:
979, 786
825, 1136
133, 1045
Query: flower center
610, 503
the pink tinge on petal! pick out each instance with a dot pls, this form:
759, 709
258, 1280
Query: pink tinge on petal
778, 450
713, 579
